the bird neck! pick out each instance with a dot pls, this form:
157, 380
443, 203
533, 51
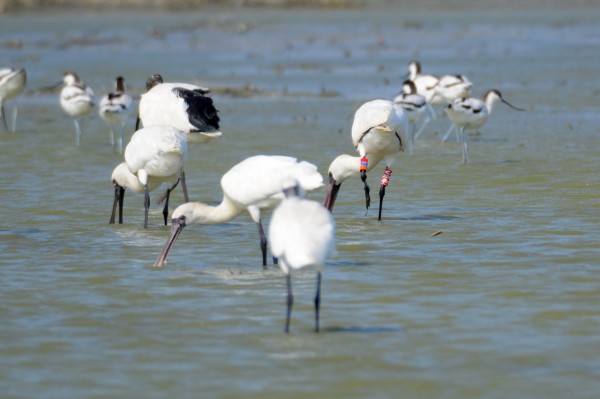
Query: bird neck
209, 214
346, 166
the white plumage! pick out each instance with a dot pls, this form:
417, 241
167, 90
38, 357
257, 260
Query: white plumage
156, 152
114, 109
379, 132
76, 99
301, 234
12, 83
252, 185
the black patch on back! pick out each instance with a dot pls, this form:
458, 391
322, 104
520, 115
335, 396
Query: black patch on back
202, 113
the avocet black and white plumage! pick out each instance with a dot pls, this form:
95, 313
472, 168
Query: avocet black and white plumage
156, 153
472, 113
12, 83
123, 179
181, 105
114, 109
301, 234
76, 99
253, 185
414, 105
380, 132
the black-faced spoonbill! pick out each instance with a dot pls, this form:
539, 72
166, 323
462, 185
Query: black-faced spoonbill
379, 132
12, 83
301, 233
123, 179
114, 109
472, 113
156, 152
252, 185
76, 99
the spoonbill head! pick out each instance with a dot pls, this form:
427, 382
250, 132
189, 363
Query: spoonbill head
12, 83
253, 185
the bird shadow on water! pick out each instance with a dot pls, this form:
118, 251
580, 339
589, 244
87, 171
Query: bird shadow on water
361, 329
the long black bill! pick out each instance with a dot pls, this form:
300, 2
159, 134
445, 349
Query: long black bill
332, 192
178, 225
363, 177
118, 201
512, 106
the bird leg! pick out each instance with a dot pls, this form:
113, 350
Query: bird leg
464, 145
111, 137
166, 208
14, 118
290, 302
450, 129
146, 205
119, 194
318, 301
184, 187
263, 244
385, 180
364, 163
77, 132
3, 116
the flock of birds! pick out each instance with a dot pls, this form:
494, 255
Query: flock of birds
301, 232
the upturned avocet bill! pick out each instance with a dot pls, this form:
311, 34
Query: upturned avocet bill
156, 153
472, 113
380, 132
76, 99
114, 109
253, 185
181, 105
12, 83
301, 233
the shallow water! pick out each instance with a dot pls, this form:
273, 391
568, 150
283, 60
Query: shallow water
502, 304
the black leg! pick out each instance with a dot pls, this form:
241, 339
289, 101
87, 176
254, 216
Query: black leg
137, 123
166, 208
263, 244
318, 302
184, 187
385, 180
363, 177
146, 205
4, 116
290, 302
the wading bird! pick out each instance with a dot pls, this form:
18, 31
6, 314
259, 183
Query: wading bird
114, 109
123, 179
301, 233
252, 185
472, 113
12, 83
76, 99
156, 153
379, 132
414, 105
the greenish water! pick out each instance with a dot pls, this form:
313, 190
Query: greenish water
504, 303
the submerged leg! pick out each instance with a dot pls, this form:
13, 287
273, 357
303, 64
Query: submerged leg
385, 180
263, 244
290, 301
318, 301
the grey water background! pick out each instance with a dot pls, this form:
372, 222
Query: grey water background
504, 303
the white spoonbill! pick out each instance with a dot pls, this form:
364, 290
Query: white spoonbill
301, 233
379, 132
253, 185
76, 99
123, 179
181, 105
472, 113
12, 83
114, 109
156, 152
